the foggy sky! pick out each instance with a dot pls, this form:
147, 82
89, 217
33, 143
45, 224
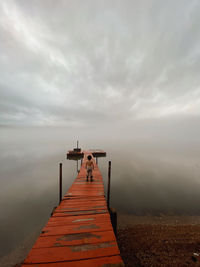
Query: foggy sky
72, 62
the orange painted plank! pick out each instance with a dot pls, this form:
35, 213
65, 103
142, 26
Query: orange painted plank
82, 193
56, 221
78, 213
75, 239
79, 222
82, 208
77, 188
65, 229
74, 252
78, 203
83, 198
85, 203
97, 262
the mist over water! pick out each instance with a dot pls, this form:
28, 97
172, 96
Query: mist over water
155, 169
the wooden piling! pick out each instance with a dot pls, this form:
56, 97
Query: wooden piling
77, 166
113, 218
60, 182
108, 189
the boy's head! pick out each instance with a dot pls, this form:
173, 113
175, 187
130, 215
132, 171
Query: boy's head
89, 157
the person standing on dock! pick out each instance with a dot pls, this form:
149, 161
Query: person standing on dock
89, 166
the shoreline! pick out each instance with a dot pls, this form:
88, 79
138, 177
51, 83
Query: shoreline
130, 219
159, 241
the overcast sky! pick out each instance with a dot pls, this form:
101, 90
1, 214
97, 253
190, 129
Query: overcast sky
70, 62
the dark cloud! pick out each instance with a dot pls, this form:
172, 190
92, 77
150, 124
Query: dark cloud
80, 62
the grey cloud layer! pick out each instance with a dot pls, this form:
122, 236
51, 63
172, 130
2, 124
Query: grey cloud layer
77, 62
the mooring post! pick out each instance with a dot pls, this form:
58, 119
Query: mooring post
113, 217
96, 160
81, 162
108, 189
112, 212
60, 183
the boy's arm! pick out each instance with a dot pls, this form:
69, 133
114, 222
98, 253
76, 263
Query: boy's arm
93, 165
86, 165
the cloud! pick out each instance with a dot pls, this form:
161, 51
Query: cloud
73, 62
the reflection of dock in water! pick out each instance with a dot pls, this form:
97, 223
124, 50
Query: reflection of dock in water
80, 232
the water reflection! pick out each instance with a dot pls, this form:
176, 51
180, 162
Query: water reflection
150, 175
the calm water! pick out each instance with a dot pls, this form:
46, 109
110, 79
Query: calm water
148, 176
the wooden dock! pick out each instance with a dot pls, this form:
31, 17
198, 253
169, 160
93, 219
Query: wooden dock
79, 233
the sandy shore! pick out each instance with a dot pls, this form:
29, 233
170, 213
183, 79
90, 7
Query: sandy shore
144, 241
172, 241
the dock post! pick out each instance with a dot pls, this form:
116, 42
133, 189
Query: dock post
81, 162
108, 189
96, 160
113, 217
112, 212
60, 183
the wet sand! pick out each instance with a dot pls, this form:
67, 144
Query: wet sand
172, 241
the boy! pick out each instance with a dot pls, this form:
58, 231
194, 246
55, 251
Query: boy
89, 166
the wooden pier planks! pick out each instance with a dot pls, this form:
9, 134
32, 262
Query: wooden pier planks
79, 233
